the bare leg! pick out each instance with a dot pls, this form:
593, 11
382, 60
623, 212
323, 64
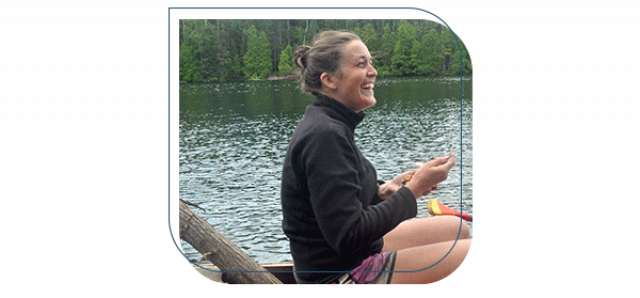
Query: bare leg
425, 231
417, 258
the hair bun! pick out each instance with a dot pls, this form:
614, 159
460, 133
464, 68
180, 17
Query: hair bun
300, 56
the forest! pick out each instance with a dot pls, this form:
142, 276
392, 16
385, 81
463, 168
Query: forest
238, 50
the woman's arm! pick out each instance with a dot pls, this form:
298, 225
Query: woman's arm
332, 168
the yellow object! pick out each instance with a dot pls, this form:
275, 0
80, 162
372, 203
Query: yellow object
433, 208
436, 208
406, 179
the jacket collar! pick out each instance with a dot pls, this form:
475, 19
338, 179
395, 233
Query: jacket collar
339, 111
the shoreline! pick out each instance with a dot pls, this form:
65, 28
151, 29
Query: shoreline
296, 77
278, 78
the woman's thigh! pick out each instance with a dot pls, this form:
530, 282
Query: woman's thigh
417, 258
425, 231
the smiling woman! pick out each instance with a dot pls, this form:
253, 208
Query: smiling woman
345, 226
353, 83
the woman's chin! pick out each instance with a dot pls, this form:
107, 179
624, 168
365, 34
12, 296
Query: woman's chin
371, 99
368, 102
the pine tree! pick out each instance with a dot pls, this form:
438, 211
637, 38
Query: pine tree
188, 65
401, 60
208, 48
416, 59
286, 60
257, 59
387, 42
446, 38
432, 51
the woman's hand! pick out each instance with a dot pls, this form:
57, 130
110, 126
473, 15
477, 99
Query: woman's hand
392, 186
430, 174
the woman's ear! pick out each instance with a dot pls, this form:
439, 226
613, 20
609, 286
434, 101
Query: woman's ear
328, 81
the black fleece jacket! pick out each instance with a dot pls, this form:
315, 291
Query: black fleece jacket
332, 213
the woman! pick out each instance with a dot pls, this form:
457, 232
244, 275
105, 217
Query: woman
338, 217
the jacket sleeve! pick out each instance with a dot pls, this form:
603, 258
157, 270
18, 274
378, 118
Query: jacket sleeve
377, 199
331, 169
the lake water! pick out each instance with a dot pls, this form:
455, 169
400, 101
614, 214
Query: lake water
233, 138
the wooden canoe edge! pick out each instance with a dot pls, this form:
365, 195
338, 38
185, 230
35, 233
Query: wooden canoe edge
283, 271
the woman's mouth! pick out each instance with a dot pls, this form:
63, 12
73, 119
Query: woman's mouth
367, 86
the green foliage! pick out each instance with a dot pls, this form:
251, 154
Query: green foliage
457, 61
257, 59
387, 43
401, 63
286, 60
369, 36
416, 58
232, 50
189, 65
432, 54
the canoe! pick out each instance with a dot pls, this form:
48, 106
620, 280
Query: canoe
282, 271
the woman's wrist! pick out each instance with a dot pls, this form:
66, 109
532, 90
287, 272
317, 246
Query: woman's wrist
416, 190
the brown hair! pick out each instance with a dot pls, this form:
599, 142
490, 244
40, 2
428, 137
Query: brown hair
323, 55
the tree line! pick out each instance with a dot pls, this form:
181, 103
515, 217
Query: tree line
236, 50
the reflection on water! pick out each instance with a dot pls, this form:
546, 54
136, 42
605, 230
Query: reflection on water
233, 137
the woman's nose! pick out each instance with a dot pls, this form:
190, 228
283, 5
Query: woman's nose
372, 72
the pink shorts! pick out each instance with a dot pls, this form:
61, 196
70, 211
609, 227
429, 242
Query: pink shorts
376, 269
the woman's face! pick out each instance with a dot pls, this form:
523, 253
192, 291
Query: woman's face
356, 77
